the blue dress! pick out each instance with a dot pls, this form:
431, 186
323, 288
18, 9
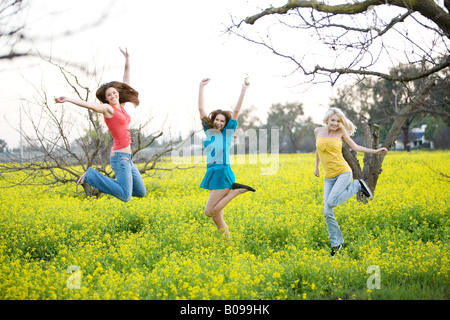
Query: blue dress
217, 144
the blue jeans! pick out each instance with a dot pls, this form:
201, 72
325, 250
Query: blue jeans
336, 191
128, 178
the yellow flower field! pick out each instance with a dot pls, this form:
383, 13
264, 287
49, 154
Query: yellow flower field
57, 244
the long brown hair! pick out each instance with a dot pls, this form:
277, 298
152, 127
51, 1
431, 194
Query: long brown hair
126, 93
209, 120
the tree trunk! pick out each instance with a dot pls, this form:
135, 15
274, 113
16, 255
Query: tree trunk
90, 191
373, 162
405, 130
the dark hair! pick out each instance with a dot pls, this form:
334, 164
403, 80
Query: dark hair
209, 120
126, 93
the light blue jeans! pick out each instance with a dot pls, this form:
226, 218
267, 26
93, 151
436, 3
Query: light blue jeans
336, 191
128, 178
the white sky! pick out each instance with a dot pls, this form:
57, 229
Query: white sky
172, 46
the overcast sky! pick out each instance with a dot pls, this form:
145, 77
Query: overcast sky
172, 45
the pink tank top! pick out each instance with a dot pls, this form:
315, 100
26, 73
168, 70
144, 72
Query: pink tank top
118, 125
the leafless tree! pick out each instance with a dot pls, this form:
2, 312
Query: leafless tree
15, 38
65, 142
332, 40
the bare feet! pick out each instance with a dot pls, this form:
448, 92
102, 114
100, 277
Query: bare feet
81, 179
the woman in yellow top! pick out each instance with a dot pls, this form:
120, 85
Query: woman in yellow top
338, 185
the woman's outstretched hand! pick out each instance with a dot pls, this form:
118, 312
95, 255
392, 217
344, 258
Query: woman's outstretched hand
124, 52
382, 150
204, 82
60, 100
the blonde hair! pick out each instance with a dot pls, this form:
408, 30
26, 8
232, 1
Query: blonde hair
346, 123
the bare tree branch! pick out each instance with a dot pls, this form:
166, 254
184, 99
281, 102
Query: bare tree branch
13, 29
358, 49
444, 64
427, 8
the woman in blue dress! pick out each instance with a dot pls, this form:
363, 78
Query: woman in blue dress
219, 127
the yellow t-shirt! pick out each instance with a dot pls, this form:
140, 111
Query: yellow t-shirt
330, 154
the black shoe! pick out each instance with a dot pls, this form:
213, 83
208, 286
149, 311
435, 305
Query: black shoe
335, 249
365, 190
242, 186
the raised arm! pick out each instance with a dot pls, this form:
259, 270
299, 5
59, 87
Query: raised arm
359, 148
102, 108
201, 99
238, 106
126, 73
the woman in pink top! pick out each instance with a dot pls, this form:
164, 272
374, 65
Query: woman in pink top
113, 96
